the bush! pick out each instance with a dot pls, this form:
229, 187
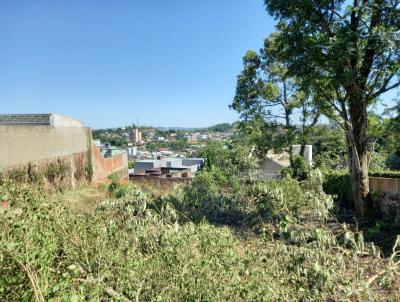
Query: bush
393, 161
386, 173
337, 184
139, 249
56, 171
300, 169
291, 199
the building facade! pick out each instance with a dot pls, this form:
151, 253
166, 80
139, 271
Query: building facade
135, 135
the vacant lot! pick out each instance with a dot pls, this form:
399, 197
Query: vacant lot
273, 241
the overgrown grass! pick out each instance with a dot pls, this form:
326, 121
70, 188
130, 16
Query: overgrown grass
185, 247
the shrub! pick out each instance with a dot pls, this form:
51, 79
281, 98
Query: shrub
18, 175
291, 198
337, 183
56, 171
393, 161
300, 169
287, 172
385, 173
114, 184
139, 249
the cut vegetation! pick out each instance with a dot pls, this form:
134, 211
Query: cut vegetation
264, 241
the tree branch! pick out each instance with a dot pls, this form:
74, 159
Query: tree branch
385, 89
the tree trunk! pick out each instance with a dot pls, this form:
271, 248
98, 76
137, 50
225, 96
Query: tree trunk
358, 168
288, 112
360, 185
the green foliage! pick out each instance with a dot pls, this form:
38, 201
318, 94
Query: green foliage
300, 169
386, 173
229, 158
263, 136
287, 172
347, 53
115, 137
346, 43
89, 164
223, 127
18, 175
267, 98
329, 147
139, 248
337, 183
391, 137
288, 198
179, 144
56, 171
393, 161
115, 184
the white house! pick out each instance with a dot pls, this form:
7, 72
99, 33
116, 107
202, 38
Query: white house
273, 163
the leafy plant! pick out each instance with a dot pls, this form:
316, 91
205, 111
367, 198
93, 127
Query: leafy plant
138, 247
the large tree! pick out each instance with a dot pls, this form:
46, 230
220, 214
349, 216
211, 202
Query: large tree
349, 52
267, 98
391, 136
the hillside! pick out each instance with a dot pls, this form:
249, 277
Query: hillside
264, 241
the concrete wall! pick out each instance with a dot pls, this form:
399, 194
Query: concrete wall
143, 165
194, 164
307, 152
57, 120
21, 144
384, 185
40, 145
270, 167
386, 197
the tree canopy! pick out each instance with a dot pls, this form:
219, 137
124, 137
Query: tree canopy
348, 54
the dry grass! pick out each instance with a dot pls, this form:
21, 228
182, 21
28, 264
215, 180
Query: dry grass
83, 199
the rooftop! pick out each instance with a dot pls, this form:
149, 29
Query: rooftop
25, 119
49, 119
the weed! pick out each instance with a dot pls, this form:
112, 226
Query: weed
134, 247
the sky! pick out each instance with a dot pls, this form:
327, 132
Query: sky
171, 63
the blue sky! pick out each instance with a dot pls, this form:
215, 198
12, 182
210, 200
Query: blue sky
173, 63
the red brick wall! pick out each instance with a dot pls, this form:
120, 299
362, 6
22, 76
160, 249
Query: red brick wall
161, 182
103, 167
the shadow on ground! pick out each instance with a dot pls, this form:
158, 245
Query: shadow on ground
382, 233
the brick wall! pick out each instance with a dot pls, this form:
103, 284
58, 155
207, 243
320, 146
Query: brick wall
165, 183
103, 167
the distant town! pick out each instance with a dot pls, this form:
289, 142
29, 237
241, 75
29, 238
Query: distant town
147, 142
